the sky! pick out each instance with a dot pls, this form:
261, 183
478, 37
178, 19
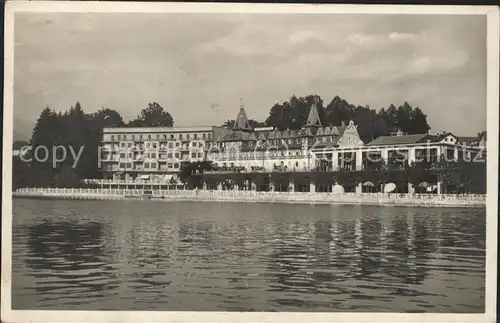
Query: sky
199, 65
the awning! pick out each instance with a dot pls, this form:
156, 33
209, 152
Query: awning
144, 177
338, 189
423, 184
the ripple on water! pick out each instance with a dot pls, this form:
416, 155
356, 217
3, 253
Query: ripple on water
116, 255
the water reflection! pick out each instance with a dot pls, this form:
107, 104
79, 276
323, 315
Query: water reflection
270, 257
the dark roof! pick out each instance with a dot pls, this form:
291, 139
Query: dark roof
468, 140
241, 122
398, 140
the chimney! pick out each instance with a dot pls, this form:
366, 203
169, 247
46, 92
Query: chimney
342, 123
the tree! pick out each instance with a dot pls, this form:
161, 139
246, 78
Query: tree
153, 116
66, 178
293, 114
418, 123
416, 174
106, 118
441, 169
384, 169
45, 135
191, 173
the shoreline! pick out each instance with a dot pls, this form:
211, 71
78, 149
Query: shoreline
368, 199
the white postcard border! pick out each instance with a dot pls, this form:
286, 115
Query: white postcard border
493, 37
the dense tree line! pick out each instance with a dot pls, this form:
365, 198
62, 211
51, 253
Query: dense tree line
292, 114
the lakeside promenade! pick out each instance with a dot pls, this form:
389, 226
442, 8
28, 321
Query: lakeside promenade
430, 200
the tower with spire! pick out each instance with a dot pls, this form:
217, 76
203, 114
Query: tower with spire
241, 123
313, 120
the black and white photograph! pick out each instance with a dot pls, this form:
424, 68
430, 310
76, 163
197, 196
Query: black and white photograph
203, 162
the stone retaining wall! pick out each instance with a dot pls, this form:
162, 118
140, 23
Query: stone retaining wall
448, 200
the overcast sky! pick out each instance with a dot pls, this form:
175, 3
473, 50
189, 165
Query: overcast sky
197, 66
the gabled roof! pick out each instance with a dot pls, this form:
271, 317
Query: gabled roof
308, 133
313, 118
398, 140
252, 136
444, 135
468, 141
338, 130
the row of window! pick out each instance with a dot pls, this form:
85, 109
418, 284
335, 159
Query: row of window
258, 154
144, 137
147, 166
154, 155
291, 141
155, 145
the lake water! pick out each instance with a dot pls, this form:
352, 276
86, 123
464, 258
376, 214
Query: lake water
140, 255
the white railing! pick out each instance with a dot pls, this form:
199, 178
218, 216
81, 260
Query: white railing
131, 182
355, 198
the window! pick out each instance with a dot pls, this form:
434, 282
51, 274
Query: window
195, 136
200, 144
122, 155
209, 135
157, 137
200, 155
171, 137
204, 136
180, 136
176, 165
177, 155
193, 155
112, 138
122, 165
146, 165
169, 165
169, 155
153, 165
149, 137
193, 144
170, 145
177, 144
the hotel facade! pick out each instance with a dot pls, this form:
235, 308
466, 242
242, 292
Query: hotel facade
153, 153
159, 153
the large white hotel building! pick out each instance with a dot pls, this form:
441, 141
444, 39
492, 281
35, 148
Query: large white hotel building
159, 153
